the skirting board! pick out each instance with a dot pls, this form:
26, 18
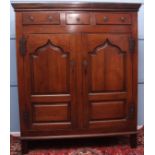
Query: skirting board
17, 134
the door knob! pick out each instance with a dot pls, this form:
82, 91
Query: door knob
123, 19
78, 19
105, 18
31, 18
50, 18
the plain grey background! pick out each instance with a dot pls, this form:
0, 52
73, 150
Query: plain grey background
14, 111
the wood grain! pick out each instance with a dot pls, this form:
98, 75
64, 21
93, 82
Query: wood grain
78, 76
107, 110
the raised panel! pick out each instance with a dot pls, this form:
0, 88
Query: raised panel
49, 69
107, 110
51, 112
107, 68
112, 125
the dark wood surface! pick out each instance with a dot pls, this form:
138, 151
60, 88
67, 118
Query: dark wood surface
77, 70
76, 6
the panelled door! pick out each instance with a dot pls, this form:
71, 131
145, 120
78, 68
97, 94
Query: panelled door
107, 82
78, 81
49, 68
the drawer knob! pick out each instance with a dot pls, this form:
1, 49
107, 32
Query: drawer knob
31, 18
123, 19
78, 19
105, 18
50, 18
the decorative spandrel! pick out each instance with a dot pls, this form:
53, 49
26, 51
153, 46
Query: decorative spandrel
50, 45
105, 45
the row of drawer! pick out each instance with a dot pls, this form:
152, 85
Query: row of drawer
75, 18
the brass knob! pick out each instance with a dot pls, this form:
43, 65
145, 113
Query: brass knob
31, 18
105, 18
50, 18
123, 19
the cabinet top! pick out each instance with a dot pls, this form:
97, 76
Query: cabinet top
77, 6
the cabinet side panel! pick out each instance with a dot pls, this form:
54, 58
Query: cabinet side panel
135, 64
20, 71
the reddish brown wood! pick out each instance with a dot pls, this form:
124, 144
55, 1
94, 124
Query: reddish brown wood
78, 18
113, 18
78, 74
51, 98
50, 113
46, 17
107, 96
107, 110
135, 65
77, 29
51, 126
109, 57
76, 136
49, 63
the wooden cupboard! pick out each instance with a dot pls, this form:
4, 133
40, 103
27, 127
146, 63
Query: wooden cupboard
77, 70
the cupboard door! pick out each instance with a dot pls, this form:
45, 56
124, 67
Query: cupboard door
107, 84
49, 69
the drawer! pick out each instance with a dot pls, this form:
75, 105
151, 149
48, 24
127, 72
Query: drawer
112, 18
41, 18
78, 18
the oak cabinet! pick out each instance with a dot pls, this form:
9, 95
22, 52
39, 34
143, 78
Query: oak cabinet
77, 70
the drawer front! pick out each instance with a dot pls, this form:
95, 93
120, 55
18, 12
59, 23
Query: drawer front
41, 18
112, 18
78, 18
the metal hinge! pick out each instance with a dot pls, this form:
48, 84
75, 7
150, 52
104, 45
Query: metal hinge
131, 111
131, 44
22, 45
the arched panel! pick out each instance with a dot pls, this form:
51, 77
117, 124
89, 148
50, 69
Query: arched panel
107, 67
49, 45
49, 69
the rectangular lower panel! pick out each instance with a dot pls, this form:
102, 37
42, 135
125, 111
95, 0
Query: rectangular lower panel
51, 127
112, 125
51, 113
107, 110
